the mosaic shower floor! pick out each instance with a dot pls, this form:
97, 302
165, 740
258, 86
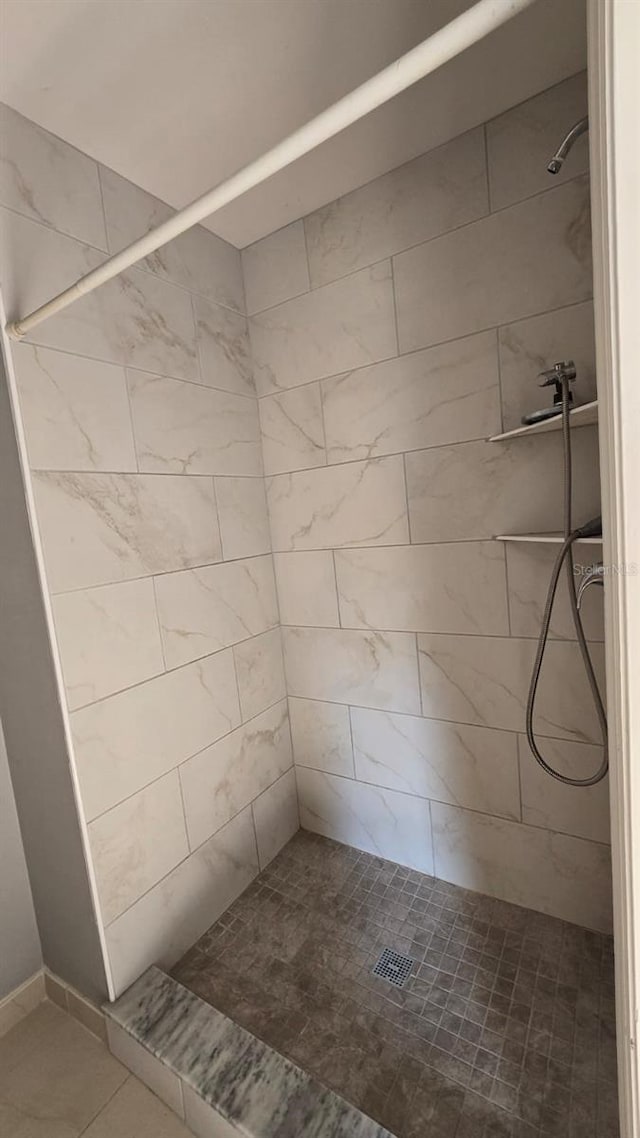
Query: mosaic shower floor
505, 1026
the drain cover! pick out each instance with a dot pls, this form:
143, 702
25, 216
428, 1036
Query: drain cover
393, 967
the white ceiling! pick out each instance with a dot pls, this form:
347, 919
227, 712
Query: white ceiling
177, 94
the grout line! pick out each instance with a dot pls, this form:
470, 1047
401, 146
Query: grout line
184, 810
435, 344
452, 722
254, 830
478, 220
307, 258
455, 806
394, 301
353, 746
126, 365
104, 211
361, 367
134, 437
169, 671
365, 628
420, 692
176, 768
433, 840
337, 594
519, 774
500, 381
487, 168
406, 497
508, 591
160, 573
196, 849
159, 631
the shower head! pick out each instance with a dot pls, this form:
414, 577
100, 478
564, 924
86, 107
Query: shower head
577, 129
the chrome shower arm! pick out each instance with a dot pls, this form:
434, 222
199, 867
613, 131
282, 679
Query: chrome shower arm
577, 129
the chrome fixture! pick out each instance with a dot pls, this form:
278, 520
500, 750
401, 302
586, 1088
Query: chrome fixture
577, 129
555, 375
563, 374
594, 576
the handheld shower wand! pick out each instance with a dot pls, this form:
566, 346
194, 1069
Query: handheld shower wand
564, 373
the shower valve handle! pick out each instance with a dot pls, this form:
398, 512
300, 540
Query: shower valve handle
566, 369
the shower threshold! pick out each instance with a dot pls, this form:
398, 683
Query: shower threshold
501, 1024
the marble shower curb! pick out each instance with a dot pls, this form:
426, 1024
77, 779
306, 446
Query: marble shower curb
223, 1081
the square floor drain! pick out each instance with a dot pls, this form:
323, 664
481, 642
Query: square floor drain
393, 967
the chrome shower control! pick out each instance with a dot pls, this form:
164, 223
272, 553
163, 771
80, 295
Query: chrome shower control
566, 369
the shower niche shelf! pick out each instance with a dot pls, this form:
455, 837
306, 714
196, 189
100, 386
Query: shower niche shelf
584, 416
545, 538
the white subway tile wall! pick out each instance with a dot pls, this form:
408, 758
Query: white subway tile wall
408, 328
142, 430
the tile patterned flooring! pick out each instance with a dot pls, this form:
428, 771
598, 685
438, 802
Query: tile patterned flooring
59, 1081
505, 1028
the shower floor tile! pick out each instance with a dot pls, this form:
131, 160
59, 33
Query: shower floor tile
505, 1026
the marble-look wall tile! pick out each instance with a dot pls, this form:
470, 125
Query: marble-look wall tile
382, 822
528, 347
466, 766
260, 672
164, 923
479, 489
184, 428
275, 813
220, 781
275, 268
506, 860
581, 811
344, 325
292, 430
521, 141
102, 528
440, 395
356, 503
128, 740
372, 669
108, 639
75, 411
243, 516
528, 258
223, 346
137, 843
47, 180
197, 260
529, 570
203, 610
440, 190
135, 319
307, 588
458, 587
321, 735
485, 680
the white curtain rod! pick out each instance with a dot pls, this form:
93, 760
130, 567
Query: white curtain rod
439, 48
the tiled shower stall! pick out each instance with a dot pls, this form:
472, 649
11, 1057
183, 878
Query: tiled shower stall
266, 529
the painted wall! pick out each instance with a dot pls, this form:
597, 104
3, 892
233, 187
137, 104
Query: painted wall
142, 432
392, 332
20, 954
35, 741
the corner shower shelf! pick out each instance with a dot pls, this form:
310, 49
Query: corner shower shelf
545, 538
584, 416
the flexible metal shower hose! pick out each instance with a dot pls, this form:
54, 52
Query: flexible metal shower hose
565, 556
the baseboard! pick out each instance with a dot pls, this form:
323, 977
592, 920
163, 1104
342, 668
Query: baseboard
75, 1004
17, 1004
